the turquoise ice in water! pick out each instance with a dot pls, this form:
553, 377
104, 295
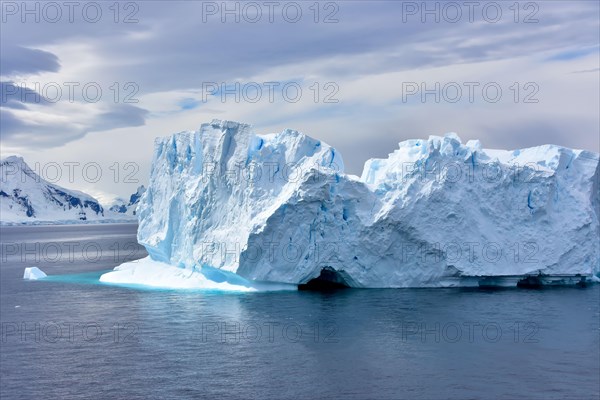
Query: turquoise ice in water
69, 337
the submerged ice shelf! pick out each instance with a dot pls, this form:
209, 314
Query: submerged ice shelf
151, 273
436, 212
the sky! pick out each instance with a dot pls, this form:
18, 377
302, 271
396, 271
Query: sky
87, 86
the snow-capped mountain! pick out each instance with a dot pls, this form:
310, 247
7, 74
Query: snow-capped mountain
25, 197
123, 206
436, 212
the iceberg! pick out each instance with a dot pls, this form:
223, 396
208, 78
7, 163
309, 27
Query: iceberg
435, 213
33, 273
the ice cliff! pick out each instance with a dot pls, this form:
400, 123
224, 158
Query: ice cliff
436, 212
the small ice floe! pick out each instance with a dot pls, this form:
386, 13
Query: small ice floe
33, 273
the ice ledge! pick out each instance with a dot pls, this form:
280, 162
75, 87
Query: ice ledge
154, 274
225, 124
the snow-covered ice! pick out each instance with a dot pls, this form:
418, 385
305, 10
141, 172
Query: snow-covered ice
27, 198
151, 273
128, 207
436, 212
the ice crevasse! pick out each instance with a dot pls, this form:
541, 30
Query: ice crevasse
279, 208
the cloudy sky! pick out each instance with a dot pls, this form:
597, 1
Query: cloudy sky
91, 84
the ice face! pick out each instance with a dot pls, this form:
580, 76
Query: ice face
219, 185
279, 208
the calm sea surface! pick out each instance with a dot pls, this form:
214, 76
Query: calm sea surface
68, 337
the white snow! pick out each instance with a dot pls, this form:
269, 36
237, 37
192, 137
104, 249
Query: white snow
127, 207
27, 198
279, 208
33, 273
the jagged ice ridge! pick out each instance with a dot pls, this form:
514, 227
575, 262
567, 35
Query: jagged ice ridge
279, 208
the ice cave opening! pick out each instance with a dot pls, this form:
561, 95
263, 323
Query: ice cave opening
328, 279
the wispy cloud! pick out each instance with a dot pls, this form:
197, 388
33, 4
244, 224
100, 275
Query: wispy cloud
153, 74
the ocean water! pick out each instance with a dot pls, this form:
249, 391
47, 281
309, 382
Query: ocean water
68, 337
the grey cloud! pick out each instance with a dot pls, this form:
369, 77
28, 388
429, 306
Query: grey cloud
16, 96
195, 52
23, 133
529, 133
120, 116
20, 132
192, 51
181, 51
586, 71
23, 60
9, 124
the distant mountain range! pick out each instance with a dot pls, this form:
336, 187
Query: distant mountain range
27, 198
128, 207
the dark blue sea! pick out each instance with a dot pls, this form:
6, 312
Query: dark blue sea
68, 337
